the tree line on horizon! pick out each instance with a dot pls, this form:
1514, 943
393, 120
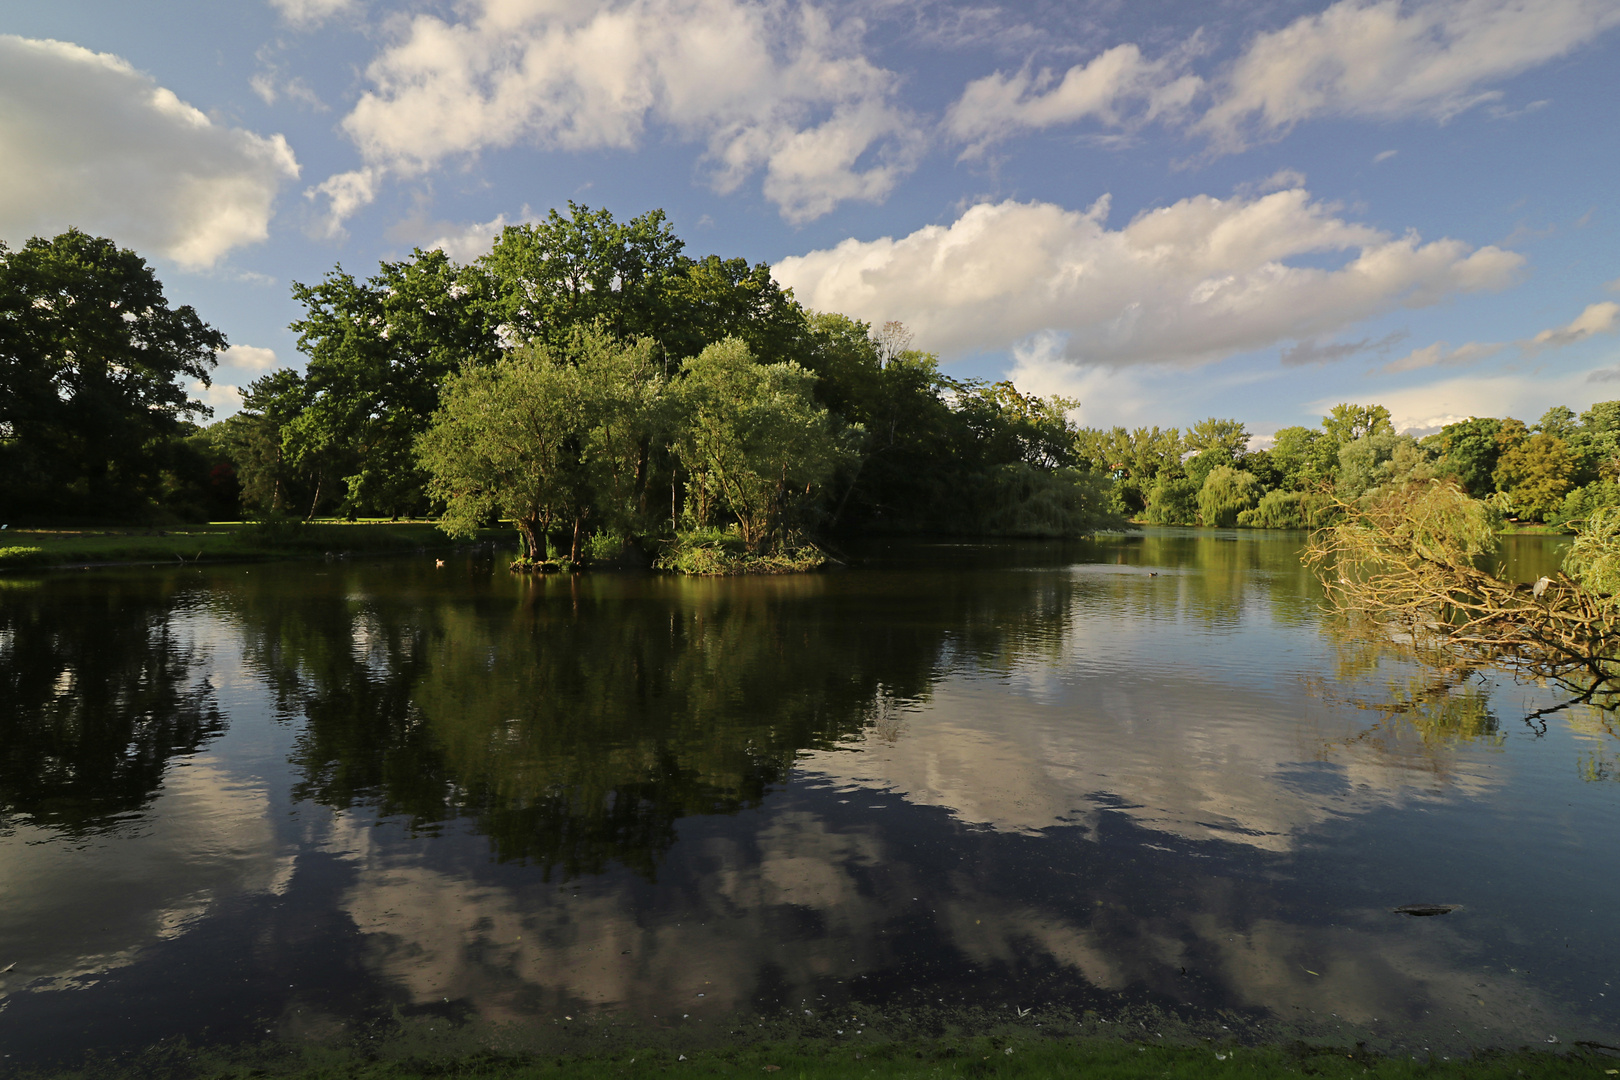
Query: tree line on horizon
1558, 470
594, 384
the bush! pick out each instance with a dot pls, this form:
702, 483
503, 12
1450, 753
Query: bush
21, 556
721, 553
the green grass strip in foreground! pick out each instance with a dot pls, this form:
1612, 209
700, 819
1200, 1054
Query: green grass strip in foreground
1052, 1059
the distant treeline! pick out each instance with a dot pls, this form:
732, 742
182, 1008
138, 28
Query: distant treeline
1558, 470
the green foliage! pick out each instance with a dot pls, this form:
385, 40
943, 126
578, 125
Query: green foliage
715, 552
754, 443
1225, 495
1363, 463
1469, 450
21, 555
1305, 458
1024, 500
1594, 556
1213, 434
1535, 474
1173, 500
1346, 423
1594, 496
506, 442
93, 363
379, 351
1278, 509
1134, 459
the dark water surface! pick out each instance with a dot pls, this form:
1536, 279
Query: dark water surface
285, 799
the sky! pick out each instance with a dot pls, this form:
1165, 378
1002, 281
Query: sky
1169, 211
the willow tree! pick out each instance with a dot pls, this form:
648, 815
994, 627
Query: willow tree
1411, 563
753, 440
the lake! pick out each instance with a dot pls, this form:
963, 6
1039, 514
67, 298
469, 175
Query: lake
1136, 782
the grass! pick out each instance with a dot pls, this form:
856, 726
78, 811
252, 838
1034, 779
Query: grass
216, 542
1011, 1058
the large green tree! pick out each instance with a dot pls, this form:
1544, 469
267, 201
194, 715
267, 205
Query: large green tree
754, 442
94, 364
378, 351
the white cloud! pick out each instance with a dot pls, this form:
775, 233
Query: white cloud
222, 399
306, 14
767, 87
1600, 318
1384, 59
345, 193
467, 242
1115, 87
1441, 354
88, 141
1187, 283
249, 358
1383, 156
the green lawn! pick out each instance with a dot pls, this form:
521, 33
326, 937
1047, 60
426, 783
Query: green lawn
216, 542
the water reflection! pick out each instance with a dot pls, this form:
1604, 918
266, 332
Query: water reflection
1135, 771
98, 691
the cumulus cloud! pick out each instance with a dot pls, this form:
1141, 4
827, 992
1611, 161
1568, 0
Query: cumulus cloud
764, 87
1116, 87
306, 14
1187, 283
88, 141
1383, 59
465, 243
1600, 318
248, 358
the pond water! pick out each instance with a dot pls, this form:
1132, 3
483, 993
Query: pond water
1142, 776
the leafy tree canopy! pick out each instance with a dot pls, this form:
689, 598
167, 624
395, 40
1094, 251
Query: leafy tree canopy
93, 370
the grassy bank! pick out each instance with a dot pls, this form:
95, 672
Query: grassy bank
218, 542
934, 1059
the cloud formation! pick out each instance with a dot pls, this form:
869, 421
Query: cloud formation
306, 14
1386, 59
1441, 354
1115, 88
1188, 283
88, 141
1372, 59
774, 88
1598, 318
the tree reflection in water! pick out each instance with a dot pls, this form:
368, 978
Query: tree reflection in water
97, 694
575, 723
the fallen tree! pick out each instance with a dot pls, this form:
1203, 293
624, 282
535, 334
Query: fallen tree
1416, 565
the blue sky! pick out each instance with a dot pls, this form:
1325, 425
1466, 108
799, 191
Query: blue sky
1167, 210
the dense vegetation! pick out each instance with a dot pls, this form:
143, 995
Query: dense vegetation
658, 397
1557, 471
611, 395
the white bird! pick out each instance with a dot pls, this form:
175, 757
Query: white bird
1540, 586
